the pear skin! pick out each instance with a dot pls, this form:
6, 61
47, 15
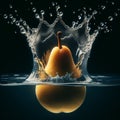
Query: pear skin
58, 99
63, 63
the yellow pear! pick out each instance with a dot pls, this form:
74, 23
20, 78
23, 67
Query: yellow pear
61, 62
58, 99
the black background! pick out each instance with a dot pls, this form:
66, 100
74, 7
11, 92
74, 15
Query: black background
101, 103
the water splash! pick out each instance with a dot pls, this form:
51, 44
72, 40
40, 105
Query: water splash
43, 38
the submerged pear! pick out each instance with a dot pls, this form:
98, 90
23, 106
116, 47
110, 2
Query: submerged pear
58, 99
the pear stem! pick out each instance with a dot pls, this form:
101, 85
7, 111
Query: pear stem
59, 39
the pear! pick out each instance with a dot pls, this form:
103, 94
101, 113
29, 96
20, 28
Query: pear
61, 62
58, 99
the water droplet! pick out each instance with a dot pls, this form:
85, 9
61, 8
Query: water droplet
24, 23
10, 6
37, 16
60, 13
113, 3
95, 12
73, 12
106, 27
96, 31
15, 11
115, 14
107, 30
57, 8
102, 24
110, 18
34, 10
65, 6
17, 23
13, 20
98, 27
56, 3
21, 20
90, 9
53, 4
42, 12
84, 8
5, 16
51, 14
22, 30
31, 3
79, 17
10, 15
103, 7
73, 24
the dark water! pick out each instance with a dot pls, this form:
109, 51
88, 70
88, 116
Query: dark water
19, 102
